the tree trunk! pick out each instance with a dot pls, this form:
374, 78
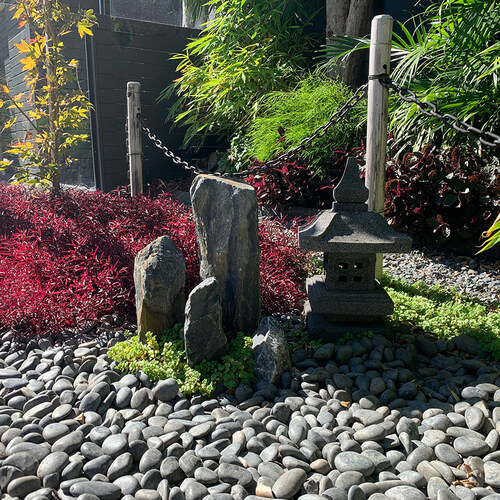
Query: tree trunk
351, 18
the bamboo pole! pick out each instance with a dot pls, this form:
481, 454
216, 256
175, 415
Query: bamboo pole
376, 134
134, 132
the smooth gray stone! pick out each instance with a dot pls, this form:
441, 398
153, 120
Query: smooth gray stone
39, 451
189, 462
171, 470
127, 484
446, 494
52, 464
90, 402
150, 460
351, 461
413, 477
7, 474
114, 445
404, 493
52, 432
474, 418
120, 466
468, 446
69, 443
447, 454
289, 483
97, 466
435, 484
375, 432
367, 417
22, 486
492, 474
104, 491
420, 454
335, 494
151, 479
91, 450
147, 494
123, 397
233, 474
140, 399
23, 461
347, 479
195, 491
380, 461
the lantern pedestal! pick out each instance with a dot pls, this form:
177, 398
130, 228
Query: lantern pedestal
320, 328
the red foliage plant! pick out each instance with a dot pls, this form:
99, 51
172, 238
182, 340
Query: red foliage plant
69, 259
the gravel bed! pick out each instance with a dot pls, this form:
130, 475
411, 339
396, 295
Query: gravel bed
472, 276
395, 417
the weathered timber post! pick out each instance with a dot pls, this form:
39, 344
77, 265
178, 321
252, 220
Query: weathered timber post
376, 134
134, 136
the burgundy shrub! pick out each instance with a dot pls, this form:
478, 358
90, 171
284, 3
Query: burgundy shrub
69, 259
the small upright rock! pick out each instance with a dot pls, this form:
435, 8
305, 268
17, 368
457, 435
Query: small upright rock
159, 277
226, 221
270, 351
203, 334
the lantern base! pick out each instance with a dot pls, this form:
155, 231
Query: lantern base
320, 328
348, 306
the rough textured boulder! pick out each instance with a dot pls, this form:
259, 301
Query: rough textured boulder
226, 220
204, 337
159, 277
270, 351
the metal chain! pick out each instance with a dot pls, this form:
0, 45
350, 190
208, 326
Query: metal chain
306, 142
430, 109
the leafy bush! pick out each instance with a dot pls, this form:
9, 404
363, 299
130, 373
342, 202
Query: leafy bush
295, 183
287, 117
446, 197
445, 313
69, 259
250, 48
448, 55
54, 107
166, 358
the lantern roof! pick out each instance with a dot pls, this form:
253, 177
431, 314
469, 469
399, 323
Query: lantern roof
348, 227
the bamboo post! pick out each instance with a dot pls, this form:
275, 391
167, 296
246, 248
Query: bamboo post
134, 137
376, 133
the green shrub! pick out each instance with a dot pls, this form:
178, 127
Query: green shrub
287, 117
445, 313
166, 358
250, 48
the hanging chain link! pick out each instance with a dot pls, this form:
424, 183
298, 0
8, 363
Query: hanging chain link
305, 143
430, 109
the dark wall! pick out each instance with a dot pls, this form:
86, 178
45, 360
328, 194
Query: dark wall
127, 51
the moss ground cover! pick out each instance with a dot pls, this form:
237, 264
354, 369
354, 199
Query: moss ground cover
445, 313
165, 357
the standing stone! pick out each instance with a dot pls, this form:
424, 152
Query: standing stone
203, 334
270, 351
159, 277
226, 221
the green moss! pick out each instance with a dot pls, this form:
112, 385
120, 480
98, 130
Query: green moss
445, 313
165, 357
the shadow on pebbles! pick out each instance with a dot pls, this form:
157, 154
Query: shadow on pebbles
405, 418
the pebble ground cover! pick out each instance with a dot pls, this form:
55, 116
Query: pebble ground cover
404, 415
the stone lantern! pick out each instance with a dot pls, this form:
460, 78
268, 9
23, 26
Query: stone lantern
347, 296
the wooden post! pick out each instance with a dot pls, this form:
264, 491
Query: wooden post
134, 131
376, 134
